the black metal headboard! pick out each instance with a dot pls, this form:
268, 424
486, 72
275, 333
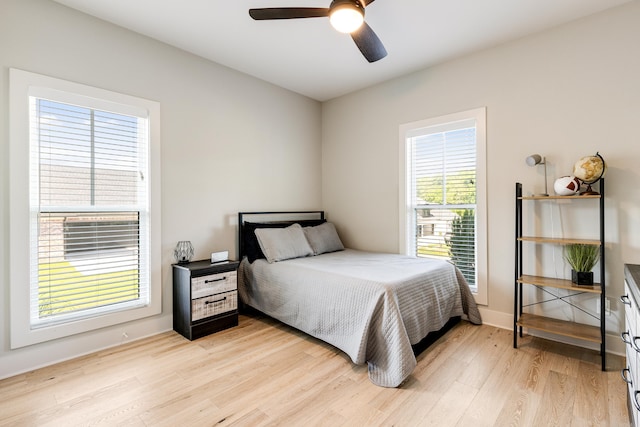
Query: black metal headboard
272, 217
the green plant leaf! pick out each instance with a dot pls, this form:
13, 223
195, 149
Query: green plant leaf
582, 257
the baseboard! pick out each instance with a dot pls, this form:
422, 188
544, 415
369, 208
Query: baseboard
498, 319
16, 369
505, 321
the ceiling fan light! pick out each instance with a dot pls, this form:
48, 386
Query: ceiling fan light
346, 18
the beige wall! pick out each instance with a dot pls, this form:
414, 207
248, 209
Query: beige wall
229, 142
564, 93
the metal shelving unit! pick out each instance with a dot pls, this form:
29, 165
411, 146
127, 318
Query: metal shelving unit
547, 324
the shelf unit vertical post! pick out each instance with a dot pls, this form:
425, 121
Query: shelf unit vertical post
517, 289
603, 297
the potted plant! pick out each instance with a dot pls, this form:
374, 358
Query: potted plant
582, 258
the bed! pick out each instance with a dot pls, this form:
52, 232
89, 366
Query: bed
377, 308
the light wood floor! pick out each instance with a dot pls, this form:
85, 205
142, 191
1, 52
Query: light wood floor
264, 373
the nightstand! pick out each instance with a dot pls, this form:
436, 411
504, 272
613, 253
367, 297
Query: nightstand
205, 297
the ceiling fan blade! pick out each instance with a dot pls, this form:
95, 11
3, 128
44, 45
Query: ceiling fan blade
367, 2
288, 13
369, 43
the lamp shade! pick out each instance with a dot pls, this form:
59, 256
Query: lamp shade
346, 18
534, 159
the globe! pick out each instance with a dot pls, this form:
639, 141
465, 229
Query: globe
589, 170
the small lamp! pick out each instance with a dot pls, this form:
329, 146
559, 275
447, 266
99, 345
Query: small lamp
346, 16
536, 159
183, 252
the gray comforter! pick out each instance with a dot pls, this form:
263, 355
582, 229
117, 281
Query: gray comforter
371, 306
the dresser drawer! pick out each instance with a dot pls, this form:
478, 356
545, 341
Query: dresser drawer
213, 305
213, 284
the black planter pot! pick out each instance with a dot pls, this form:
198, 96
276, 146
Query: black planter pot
582, 278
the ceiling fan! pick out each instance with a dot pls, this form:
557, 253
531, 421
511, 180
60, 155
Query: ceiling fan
346, 16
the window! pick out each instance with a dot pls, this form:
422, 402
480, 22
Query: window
89, 196
443, 211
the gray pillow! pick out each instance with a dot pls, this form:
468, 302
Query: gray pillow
279, 244
323, 238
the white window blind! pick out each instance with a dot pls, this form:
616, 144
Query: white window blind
89, 209
443, 177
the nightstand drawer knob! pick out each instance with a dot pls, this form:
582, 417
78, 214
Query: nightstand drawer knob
215, 301
216, 280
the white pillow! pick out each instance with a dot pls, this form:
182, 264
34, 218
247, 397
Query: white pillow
279, 244
323, 238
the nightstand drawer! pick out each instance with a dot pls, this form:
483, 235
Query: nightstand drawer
212, 305
213, 284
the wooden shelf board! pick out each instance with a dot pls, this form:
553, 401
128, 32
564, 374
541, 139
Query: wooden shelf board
590, 196
559, 283
559, 240
561, 327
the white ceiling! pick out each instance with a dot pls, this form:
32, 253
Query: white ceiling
309, 57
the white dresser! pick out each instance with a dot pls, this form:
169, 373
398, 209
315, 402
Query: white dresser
631, 337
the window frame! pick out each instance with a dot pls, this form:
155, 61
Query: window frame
22, 85
407, 226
